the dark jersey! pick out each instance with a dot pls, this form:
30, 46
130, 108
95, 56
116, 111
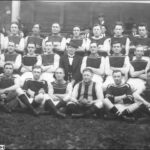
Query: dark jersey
35, 85
113, 91
29, 60
6, 82
14, 38
47, 59
93, 62
59, 88
10, 57
38, 42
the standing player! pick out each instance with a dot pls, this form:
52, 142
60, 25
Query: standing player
78, 41
143, 40
16, 38
35, 38
118, 36
11, 56
59, 42
102, 42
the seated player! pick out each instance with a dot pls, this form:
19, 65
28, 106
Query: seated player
138, 69
10, 91
50, 61
118, 36
11, 56
143, 40
71, 63
86, 98
78, 41
28, 61
117, 61
37, 91
102, 42
60, 90
59, 42
95, 63
35, 38
16, 38
119, 99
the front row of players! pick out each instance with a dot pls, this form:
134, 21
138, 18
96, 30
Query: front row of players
58, 99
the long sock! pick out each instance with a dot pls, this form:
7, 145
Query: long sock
25, 101
71, 108
113, 110
61, 104
52, 108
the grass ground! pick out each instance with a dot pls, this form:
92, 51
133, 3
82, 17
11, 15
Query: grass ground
23, 131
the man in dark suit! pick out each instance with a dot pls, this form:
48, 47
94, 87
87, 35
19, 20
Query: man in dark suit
71, 63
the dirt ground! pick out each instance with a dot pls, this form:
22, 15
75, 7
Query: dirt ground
23, 131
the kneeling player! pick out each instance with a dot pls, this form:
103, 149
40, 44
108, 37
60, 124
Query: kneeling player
87, 96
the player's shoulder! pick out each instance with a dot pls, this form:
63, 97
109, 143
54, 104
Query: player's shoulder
28, 79
43, 81
110, 85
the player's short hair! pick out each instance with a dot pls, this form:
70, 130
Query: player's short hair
117, 42
119, 23
36, 67
31, 43
37, 24
61, 69
96, 24
142, 24
88, 70
117, 71
8, 64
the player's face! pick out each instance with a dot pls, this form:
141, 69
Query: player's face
118, 30
76, 31
93, 48
31, 48
142, 30
117, 78
87, 76
36, 29
139, 52
36, 73
71, 50
14, 29
97, 31
103, 29
55, 28
11, 47
48, 47
59, 74
8, 70
116, 48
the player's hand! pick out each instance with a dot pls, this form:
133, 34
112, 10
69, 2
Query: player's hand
3, 96
41, 91
31, 93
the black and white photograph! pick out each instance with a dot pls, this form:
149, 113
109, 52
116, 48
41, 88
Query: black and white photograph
74, 74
